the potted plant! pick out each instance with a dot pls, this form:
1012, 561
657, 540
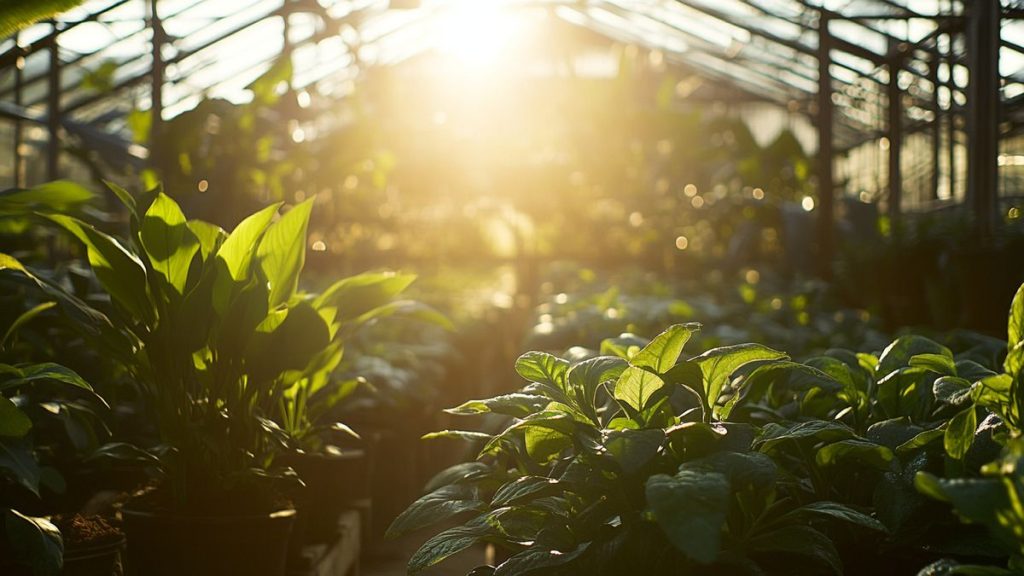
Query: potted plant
208, 324
29, 392
328, 456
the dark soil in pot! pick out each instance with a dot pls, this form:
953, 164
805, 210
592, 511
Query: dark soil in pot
163, 544
333, 479
92, 546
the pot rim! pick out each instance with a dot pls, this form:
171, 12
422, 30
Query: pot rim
129, 510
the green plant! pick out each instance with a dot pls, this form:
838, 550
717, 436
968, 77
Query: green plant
210, 327
625, 462
29, 392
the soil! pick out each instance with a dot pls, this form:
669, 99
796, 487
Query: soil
84, 531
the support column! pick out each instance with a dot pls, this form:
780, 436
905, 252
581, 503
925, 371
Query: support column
983, 112
933, 76
895, 134
53, 108
156, 86
826, 179
19, 160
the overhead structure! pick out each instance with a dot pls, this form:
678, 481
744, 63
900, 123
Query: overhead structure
914, 103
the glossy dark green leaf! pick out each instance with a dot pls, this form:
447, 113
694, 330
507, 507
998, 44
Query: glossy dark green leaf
516, 404
900, 351
56, 196
840, 512
447, 543
441, 504
801, 542
951, 390
524, 487
920, 441
24, 318
17, 460
34, 542
1014, 363
633, 449
538, 558
467, 435
772, 435
238, 249
13, 422
855, 451
45, 371
691, 508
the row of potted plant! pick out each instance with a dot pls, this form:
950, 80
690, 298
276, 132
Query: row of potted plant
640, 458
235, 367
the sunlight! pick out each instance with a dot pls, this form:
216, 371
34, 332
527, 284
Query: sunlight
476, 32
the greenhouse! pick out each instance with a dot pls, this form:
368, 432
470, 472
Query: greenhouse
511, 287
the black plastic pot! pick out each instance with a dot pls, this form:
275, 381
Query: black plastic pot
97, 560
166, 545
333, 482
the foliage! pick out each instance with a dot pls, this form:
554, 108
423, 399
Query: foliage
18, 14
641, 458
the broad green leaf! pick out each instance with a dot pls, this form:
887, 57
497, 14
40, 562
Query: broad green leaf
56, 196
537, 558
34, 542
45, 371
17, 460
467, 435
516, 404
543, 443
938, 363
462, 472
840, 512
24, 318
624, 346
921, 440
691, 509
544, 368
447, 543
799, 541
814, 431
898, 354
13, 422
282, 252
633, 449
526, 486
585, 377
718, 364
124, 196
983, 500
209, 235
407, 310
742, 469
663, 352
951, 390
237, 250
118, 270
854, 450
960, 432
439, 505
1014, 363
636, 386
170, 244
357, 295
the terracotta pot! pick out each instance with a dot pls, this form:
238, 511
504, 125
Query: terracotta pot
161, 544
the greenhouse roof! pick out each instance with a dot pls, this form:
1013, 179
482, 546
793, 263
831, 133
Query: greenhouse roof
766, 49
